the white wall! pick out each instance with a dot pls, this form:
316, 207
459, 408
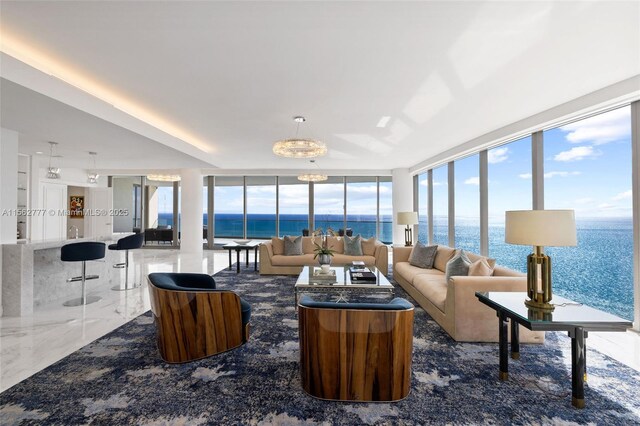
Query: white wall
402, 183
8, 185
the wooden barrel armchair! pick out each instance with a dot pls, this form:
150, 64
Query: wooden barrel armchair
356, 351
193, 319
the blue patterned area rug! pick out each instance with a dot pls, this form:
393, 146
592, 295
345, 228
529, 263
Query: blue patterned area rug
120, 380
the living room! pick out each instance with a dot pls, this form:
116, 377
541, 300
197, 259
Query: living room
304, 159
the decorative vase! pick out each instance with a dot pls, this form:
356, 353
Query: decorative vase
324, 259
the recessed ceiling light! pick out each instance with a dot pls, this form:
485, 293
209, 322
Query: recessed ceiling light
383, 121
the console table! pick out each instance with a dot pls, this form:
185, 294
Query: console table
575, 318
251, 245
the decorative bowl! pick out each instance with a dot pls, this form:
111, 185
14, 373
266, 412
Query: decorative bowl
242, 242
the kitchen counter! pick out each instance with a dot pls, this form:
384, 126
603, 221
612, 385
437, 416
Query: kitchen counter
33, 274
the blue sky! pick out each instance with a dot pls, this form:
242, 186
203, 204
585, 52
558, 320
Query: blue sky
587, 168
294, 199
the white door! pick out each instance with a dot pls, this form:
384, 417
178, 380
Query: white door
54, 203
100, 204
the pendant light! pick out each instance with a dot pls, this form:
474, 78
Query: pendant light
92, 176
53, 172
312, 177
298, 147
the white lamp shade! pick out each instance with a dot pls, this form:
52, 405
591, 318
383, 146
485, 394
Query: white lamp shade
540, 227
407, 218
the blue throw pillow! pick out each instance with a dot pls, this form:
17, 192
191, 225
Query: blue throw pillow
423, 256
353, 245
458, 265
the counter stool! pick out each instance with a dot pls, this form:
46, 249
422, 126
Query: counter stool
81, 252
131, 242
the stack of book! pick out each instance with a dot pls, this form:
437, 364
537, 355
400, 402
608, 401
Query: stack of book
361, 275
318, 276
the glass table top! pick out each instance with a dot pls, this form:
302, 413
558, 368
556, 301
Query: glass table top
566, 311
342, 278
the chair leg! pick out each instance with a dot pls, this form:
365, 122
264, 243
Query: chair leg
84, 299
126, 275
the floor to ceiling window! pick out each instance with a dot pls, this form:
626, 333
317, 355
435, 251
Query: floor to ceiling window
509, 174
467, 200
261, 206
440, 206
385, 230
423, 208
588, 168
362, 205
228, 201
329, 204
293, 205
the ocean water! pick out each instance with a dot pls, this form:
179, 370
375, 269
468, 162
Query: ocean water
597, 272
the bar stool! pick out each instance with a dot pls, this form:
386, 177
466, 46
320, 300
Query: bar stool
81, 252
131, 242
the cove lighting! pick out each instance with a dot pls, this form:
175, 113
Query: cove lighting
53, 67
164, 178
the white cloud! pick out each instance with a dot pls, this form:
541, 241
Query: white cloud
585, 200
472, 181
601, 128
626, 195
606, 206
576, 154
498, 155
549, 175
439, 183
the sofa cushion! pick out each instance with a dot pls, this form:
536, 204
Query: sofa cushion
336, 244
344, 259
302, 260
308, 245
277, 245
433, 288
423, 256
292, 246
458, 265
480, 268
369, 246
443, 255
474, 257
353, 245
409, 272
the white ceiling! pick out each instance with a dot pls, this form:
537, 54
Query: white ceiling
232, 74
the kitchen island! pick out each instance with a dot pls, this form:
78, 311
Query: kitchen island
33, 274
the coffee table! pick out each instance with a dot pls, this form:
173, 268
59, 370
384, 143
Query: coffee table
251, 245
343, 287
575, 318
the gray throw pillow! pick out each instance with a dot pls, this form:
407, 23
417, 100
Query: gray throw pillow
458, 265
423, 256
292, 246
353, 245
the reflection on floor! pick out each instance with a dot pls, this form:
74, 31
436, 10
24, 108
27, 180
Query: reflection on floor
29, 344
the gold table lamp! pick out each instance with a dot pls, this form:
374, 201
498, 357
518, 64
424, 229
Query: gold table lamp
409, 219
540, 228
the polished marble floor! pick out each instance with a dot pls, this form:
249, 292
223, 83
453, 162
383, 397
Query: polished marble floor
29, 344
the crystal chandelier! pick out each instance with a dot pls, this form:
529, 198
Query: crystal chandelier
312, 177
92, 176
53, 172
298, 147
164, 178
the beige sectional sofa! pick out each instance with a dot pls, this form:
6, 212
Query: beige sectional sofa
274, 262
454, 305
